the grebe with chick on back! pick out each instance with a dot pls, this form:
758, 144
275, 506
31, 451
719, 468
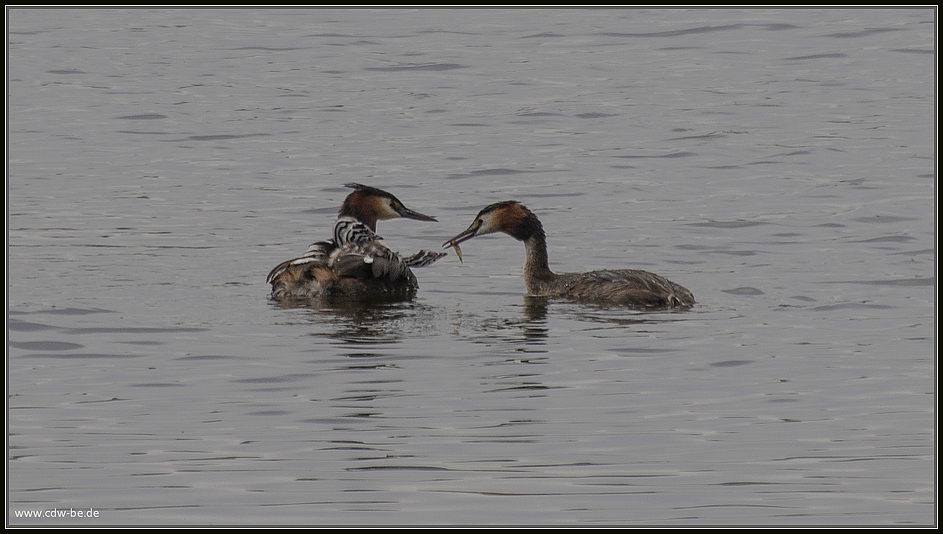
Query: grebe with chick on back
354, 263
628, 287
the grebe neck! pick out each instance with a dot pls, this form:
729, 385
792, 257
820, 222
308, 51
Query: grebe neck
365, 216
537, 273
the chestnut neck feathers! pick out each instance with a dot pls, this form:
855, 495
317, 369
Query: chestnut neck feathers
520, 223
364, 204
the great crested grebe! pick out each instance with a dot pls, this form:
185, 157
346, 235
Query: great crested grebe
354, 263
628, 287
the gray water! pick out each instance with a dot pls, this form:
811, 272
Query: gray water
778, 163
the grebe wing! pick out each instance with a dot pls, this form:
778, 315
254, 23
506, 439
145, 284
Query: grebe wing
317, 253
629, 285
368, 260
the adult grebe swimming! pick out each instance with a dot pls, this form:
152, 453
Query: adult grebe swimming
354, 263
628, 287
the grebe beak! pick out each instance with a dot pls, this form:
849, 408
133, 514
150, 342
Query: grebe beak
471, 232
410, 214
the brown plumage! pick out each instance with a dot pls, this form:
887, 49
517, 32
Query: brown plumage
628, 287
354, 263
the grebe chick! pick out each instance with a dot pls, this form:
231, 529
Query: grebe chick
354, 263
628, 287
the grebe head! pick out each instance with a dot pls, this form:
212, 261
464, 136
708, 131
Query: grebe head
369, 204
510, 217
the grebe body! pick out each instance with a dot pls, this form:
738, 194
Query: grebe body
628, 287
354, 263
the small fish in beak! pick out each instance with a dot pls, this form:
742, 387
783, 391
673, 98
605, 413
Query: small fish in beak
464, 236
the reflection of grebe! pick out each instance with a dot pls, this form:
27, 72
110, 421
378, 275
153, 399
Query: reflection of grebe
354, 263
628, 287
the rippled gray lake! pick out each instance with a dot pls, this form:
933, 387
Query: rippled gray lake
778, 163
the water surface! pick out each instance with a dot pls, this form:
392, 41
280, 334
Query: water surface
778, 163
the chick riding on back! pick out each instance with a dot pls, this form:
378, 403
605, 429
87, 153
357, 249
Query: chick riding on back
354, 263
